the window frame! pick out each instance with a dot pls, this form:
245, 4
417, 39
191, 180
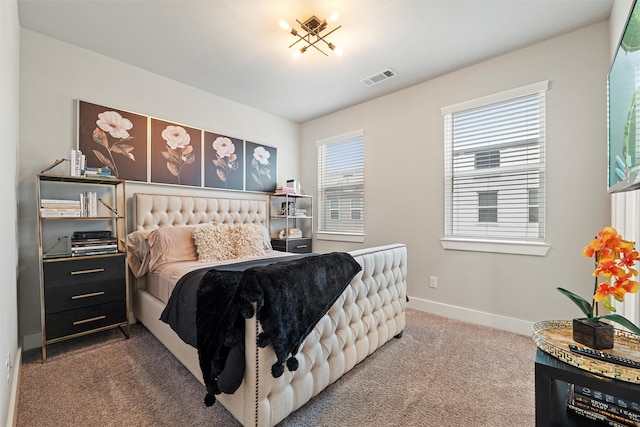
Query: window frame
487, 244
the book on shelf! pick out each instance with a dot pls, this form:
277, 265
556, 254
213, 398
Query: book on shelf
94, 252
60, 212
281, 191
94, 172
58, 202
602, 406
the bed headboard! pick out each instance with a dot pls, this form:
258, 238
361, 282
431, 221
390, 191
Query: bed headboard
162, 210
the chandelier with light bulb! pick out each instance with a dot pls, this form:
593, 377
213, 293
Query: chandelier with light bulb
310, 34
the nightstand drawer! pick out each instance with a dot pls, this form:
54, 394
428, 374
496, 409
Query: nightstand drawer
70, 297
300, 246
85, 319
83, 271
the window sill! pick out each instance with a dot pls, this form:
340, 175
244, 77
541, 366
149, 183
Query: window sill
341, 237
501, 247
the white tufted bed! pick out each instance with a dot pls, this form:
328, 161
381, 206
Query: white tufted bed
370, 312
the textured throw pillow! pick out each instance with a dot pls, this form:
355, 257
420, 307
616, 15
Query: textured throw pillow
266, 237
248, 240
214, 242
170, 244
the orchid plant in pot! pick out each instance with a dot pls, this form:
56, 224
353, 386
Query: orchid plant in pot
614, 260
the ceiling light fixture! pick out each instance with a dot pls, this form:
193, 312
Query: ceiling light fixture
310, 34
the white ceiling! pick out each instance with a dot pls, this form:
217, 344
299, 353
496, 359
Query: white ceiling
235, 48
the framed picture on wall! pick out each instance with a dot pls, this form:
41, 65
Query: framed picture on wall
223, 162
261, 167
114, 139
175, 153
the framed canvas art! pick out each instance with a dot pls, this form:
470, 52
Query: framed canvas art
175, 153
114, 139
223, 162
261, 167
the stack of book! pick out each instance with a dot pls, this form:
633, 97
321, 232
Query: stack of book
89, 203
280, 191
608, 409
94, 172
78, 163
93, 243
51, 208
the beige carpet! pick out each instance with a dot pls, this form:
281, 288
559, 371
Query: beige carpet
442, 372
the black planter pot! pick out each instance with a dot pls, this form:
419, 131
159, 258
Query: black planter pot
597, 335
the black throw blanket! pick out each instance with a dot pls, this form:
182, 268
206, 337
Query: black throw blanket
290, 297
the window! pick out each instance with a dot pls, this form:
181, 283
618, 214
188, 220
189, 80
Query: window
356, 209
334, 213
341, 187
495, 172
534, 205
488, 206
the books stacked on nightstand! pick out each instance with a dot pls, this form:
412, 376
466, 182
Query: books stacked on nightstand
608, 409
87, 243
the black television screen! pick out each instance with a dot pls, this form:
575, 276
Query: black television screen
623, 87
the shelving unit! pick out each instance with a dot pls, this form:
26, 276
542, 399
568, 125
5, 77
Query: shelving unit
80, 295
289, 213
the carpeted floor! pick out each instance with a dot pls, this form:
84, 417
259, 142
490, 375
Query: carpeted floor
442, 372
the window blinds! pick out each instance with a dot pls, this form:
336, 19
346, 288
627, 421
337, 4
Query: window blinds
341, 184
494, 166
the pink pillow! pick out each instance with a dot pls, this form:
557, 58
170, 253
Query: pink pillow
171, 244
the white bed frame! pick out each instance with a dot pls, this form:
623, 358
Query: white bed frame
370, 312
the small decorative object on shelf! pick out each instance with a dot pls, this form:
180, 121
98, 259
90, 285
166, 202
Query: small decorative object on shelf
614, 258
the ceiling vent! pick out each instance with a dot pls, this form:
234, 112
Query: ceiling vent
378, 77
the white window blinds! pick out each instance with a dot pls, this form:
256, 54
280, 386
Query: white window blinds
495, 166
341, 184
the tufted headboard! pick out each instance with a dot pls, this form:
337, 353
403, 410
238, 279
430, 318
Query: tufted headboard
161, 210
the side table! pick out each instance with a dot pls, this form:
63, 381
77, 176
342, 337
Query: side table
552, 377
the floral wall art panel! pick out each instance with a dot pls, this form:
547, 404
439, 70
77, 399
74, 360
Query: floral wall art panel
175, 153
261, 167
113, 138
223, 162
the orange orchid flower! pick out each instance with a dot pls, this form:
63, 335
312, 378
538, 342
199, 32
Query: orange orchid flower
602, 292
608, 269
614, 260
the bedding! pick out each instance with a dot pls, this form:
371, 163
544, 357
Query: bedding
368, 313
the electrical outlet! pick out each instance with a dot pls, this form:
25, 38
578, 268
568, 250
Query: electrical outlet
7, 368
433, 282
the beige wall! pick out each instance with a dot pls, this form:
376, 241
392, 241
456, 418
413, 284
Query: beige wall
404, 181
9, 77
53, 74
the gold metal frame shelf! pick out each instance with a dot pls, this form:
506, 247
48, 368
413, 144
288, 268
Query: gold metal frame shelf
554, 337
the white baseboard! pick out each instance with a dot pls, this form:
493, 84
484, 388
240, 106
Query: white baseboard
13, 393
504, 323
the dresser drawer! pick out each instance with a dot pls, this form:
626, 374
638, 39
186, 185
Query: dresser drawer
83, 271
85, 319
78, 295
300, 246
